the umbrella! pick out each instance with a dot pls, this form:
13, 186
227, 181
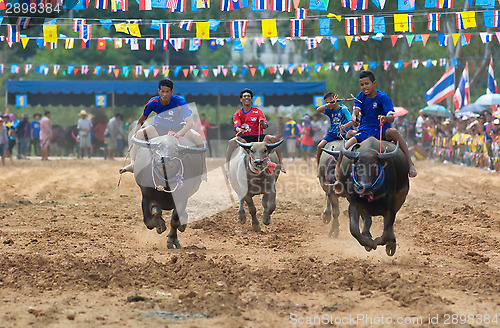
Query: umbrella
474, 108
489, 99
436, 110
399, 111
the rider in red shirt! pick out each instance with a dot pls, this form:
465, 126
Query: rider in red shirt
249, 124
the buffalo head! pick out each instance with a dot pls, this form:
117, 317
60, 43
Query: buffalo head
368, 168
167, 154
259, 153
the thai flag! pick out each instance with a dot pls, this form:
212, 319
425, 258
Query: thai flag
186, 24
86, 32
296, 27
460, 23
346, 3
13, 34
164, 31
281, 5
492, 83
180, 8
101, 4
442, 89
410, 23
138, 70
444, 4
433, 23
262, 4
78, 23
491, 18
238, 29
301, 13
226, 5
486, 37
351, 26
150, 43
359, 4
311, 43
144, 4
177, 43
23, 22
367, 23
52, 45
462, 94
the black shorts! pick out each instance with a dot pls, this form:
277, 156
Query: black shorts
254, 138
163, 130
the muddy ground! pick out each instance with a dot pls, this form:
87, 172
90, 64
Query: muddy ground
75, 253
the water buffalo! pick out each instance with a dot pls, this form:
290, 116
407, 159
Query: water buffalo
168, 171
326, 176
375, 184
252, 172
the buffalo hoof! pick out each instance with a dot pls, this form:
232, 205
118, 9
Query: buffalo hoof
256, 227
390, 248
243, 218
266, 219
160, 226
182, 227
173, 242
327, 217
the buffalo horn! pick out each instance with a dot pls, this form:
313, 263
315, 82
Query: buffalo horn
246, 145
192, 149
143, 143
273, 145
387, 156
349, 153
334, 153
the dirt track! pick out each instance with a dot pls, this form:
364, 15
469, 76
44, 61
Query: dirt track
74, 252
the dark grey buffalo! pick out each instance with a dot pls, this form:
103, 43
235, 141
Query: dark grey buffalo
326, 176
250, 174
168, 171
375, 184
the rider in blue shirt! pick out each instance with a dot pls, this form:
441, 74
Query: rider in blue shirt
173, 117
340, 121
375, 108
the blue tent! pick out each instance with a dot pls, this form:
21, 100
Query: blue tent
134, 93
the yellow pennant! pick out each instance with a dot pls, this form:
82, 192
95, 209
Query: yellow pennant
243, 41
203, 30
456, 37
24, 41
348, 40
50, 33
338, 17
121, 27
202, 3
133, 29
365, 67
269, 28
468, 19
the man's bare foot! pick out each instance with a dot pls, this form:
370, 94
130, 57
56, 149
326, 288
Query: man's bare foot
282, 168
412, 172
204, 176
127, 168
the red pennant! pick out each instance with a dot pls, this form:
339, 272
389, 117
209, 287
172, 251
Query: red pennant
205, 71
116, 71
467, 37
253, 70
185, 71
425, 37
75, 71
394, 38
405, 64
272, 70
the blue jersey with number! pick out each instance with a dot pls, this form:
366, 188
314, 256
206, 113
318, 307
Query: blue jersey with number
338, 117
172, 115
371, 108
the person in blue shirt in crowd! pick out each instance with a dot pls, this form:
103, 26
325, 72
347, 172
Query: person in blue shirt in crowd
340, 121
292, 132
375, 108
173, 117
35, 133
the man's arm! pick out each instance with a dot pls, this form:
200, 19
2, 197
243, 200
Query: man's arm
141, 121
186, 128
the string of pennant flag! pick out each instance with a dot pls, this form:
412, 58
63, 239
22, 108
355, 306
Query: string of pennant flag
143, 71
255, 5
354, 26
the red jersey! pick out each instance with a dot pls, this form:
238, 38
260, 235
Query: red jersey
307, 139
249, 121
